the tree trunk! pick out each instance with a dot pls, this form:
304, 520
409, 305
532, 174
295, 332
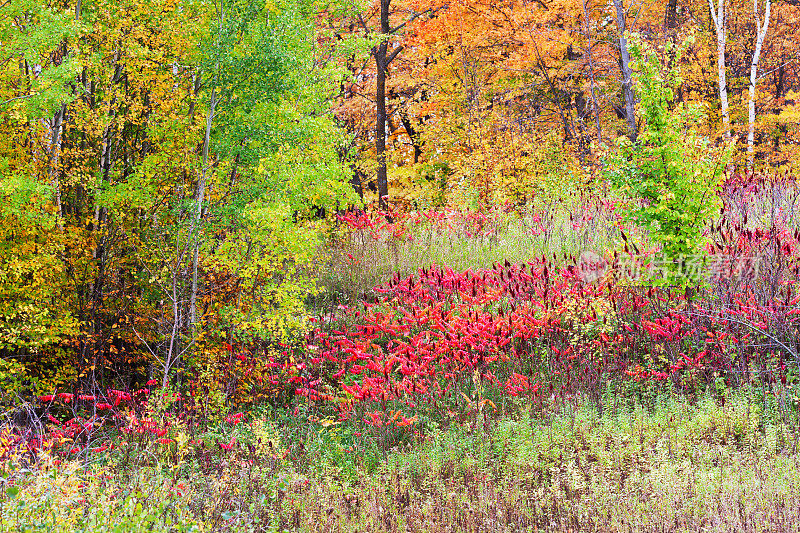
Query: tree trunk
588, 54
565, 120
719, 22
100, 252
56, 126
380, 125
761, 33
413, 135
670, 24
199, 197
671, 15
380, 53
383, 57
627, 73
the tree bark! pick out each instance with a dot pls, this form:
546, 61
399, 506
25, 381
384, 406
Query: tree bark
718, 20
199, 197
566, 121
56, 126
413, 135
380, 124
588, 54
670, 24
383, 57
761, 33
627, 73
671, 15
381, 63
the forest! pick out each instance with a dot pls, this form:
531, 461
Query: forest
399, 265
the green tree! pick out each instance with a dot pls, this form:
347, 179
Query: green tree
245, 229
672, 173
35, 69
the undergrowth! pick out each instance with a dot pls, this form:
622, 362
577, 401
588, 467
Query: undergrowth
723, 461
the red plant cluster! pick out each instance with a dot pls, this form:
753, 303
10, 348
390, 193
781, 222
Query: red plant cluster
78, 424
523, 330
440, 340
398, 223
78, 432
431, 336
753, 319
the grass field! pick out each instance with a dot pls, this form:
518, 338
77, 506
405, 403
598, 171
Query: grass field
670, 464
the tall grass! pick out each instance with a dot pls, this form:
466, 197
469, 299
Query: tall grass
726, 461
358, 260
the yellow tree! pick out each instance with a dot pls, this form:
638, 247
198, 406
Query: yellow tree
36, 67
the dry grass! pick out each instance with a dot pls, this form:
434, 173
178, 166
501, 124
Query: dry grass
359, 260
674, 466
680, 468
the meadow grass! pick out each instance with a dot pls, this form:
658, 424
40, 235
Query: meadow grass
357, 261
671, 464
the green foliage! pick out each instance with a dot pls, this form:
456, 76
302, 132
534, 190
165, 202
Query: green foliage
277, 163
74, 501
33, 80
104, 256
35, 69
14, 382
672, 173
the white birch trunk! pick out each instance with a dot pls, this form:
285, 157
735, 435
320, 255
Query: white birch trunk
199, 196
201, 190
718, 18
761, 33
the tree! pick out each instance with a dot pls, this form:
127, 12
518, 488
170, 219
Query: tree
761, 33
672, 172
718, 17
35, 72
187, 157
383, 58
625, 66
266, 151
588, 53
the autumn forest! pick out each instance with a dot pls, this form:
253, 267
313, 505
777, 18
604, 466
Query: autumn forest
399, 265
